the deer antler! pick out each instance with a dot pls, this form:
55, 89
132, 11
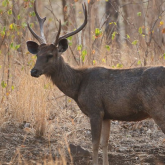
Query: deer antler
41, 21
74, 32
58, 34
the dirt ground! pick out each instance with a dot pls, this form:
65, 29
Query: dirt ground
140, 143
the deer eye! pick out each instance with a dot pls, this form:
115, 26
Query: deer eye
49, 57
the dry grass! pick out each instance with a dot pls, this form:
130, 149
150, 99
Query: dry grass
27, 103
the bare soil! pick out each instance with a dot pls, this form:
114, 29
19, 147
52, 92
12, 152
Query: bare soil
140, 143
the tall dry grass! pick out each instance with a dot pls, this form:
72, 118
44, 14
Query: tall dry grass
27, 103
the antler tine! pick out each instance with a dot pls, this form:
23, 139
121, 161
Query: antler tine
41, 41
41, 21
80, 28
58, 34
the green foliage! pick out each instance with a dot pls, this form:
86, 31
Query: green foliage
18, 16
13, 26
94, 62
34, 57
3, 84
128, 37
135, 42
32, 14
79, 47
113, 35
46, 86
1, 11
164, 55
119, 65
70, 40
9, 12
83, 54
103, 60
17, 46
24, 24
11, 45
5, 3
12, 87
14, 47
139, 62
107, 47
30, 5
4, 28
113, 23
139, 14
2, 33
140, 30
98, 32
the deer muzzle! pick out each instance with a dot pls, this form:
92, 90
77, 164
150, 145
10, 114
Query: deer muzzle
35, 73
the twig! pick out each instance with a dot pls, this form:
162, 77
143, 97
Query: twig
73, 55
154, 26
51, 10
3, 40
53, 16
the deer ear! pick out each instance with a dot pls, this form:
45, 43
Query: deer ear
32, 47
63, 45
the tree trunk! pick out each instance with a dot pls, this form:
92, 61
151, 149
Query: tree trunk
65, 17
111, 9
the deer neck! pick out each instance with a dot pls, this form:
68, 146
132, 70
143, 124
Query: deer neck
66, 78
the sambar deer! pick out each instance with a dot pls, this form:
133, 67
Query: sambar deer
103, 94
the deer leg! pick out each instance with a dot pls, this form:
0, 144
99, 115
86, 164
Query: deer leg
96, 124
104, 140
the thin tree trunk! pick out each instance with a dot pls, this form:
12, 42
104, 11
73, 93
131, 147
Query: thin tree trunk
111, 7
90, 4
73, 23
65, 17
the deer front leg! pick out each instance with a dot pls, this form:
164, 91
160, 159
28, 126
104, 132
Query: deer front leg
104, 140
96, 124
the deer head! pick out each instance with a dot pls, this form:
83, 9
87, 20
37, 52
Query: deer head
48, 54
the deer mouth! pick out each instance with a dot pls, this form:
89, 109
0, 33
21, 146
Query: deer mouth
36, 73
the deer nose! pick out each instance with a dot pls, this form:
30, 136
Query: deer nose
33, 72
